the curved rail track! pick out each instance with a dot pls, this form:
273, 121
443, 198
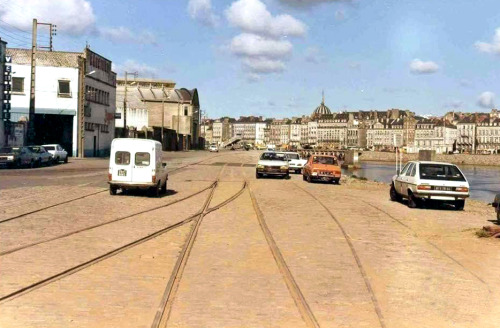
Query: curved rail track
439, 249
296, 293
95, 193
362, 270
105, 223
116, 251
165, 307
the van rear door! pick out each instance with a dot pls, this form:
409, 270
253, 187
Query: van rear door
143, 170
122, 166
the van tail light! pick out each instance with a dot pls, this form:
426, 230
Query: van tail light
462, 189
110, 177
153, 178
424, 187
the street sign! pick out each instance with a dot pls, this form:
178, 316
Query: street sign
8, 59
118, 116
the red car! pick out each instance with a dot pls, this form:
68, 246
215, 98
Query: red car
323, 168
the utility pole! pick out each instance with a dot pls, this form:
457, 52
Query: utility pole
81, 106
162, 112
125, 129
31, 122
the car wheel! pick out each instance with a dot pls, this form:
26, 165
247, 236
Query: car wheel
304, 177
286, 176
18, 164
412, 201
155, 191
112, 190
336, 181
257, 175
164, 188
460, 204
394, 194
309, 179
39, 163
66, 159
32, 164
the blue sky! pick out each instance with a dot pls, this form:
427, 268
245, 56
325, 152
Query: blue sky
274, 57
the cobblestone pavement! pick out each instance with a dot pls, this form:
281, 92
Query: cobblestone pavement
269, 253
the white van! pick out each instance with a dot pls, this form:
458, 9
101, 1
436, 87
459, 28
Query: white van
137, 164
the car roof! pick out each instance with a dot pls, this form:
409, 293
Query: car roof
431, 162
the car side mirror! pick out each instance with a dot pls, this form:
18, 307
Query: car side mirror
164, 165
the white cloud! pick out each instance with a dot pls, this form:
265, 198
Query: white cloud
123, 34
130, 65
309, 3
252, 45
263, 45
490, 48
72, 17
201, 11
486, 100
252, 16
264, 65
418, 66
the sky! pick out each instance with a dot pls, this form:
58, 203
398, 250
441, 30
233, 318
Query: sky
275, 57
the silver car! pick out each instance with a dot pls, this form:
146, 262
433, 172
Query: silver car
16, 157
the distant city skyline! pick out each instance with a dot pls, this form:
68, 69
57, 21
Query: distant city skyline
274, 57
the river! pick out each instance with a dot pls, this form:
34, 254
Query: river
484, 180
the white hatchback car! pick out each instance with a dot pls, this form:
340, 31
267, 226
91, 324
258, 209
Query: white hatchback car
213, 148
423, 181
58, 152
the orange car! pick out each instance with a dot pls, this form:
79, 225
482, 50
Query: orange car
321, 167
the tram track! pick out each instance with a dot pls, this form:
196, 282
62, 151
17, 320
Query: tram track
13, 250
176, 170
166, 303
436, 247
70, 271
293, 288
354, 253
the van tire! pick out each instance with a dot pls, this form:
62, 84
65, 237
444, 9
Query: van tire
66, 159
155, 191
164, 188
112, 190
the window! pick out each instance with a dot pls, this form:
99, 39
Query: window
403, 171
185, 111
122, 158
104, 128
440, 172
18, 84
142, 159
64, 89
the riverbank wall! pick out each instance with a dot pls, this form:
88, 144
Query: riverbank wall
461, 159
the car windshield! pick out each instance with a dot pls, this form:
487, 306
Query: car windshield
50, 148
440, 172
324, 160
293, 156
35, 149
273, 157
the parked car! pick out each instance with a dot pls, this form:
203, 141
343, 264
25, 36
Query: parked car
496, 205
58, 152
137, 164
272, 163
322, 167
16, 157
295, 163
41, 155
213, 148
420, 182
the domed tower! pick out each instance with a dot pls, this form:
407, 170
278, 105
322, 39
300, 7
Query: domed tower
321, 110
